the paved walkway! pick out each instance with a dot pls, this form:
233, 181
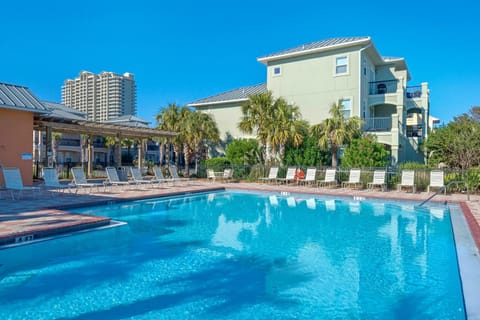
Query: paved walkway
29, 219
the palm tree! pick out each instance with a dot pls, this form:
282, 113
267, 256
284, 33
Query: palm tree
56, 137
200, 128
257, 119
336, 131
287, 126
169, 119
274, 122
109, 143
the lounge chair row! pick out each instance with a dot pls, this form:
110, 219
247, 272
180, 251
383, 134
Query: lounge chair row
14, 184
407, 179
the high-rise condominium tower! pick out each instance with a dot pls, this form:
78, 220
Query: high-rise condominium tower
103, 96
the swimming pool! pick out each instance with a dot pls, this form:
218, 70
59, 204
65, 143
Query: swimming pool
238, 255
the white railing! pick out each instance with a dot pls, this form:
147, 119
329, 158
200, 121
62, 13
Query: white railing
377, 124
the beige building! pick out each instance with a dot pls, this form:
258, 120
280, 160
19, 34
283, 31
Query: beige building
346, 70
101, 97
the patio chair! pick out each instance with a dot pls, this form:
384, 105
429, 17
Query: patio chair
137, 177
436, 181
408, 177
330, 179
13, 182
211, 175
353, 179
174, 174
309, 176
80, 181
113, 178
378, 180
50, 180
159, 177
227, 175
289, 177
272, 175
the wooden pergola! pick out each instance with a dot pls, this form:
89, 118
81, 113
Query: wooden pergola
49, 124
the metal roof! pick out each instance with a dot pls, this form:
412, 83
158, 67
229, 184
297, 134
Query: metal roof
239, 94
62, 112
315, 46
19, 98
128, 120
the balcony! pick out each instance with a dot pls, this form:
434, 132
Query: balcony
383, 87
414, 92
377, 124
69, 143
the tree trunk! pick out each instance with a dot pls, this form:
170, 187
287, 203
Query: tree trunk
186, 157
334, 157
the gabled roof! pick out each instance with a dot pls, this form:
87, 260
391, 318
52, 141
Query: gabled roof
236, 95
19, 98
313, 47
128, 120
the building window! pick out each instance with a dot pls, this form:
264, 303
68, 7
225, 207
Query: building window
277, 71
341, 65
346, 107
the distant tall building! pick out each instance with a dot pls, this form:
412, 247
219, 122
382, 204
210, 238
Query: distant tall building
103, 96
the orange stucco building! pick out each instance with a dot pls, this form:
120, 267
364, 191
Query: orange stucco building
17, 108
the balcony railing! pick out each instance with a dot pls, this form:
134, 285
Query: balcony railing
377, 124
69, 142
414, 92
383, 87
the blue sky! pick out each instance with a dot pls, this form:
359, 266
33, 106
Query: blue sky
180, 51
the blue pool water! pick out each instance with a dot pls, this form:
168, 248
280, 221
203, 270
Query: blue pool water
240, 255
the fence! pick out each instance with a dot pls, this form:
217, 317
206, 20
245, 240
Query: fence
252, 173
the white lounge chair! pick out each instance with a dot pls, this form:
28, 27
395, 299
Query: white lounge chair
272, 175
50, 180
137, 177
290, 176
159, 177
211, 175
80, 181
408, 180
378, 180
113, 178
227, 175
436, 181
330, 178
174, 174
13, 183
353, 179
309, 176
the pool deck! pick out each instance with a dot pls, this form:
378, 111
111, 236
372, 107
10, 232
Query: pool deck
30, 218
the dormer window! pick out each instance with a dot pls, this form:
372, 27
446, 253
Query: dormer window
341, 65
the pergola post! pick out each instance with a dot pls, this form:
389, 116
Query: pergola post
140, 150
48, 146
118, 151
90, 156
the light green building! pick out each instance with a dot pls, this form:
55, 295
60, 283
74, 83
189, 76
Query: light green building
346, 70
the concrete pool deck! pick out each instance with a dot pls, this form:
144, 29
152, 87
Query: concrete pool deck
32, 218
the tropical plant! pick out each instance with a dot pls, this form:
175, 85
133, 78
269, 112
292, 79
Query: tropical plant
200, 128
273, 121
365, 152
243, 151
335, 132
171, 118
457, 144
56, 137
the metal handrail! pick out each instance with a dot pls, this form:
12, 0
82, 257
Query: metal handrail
442, 189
